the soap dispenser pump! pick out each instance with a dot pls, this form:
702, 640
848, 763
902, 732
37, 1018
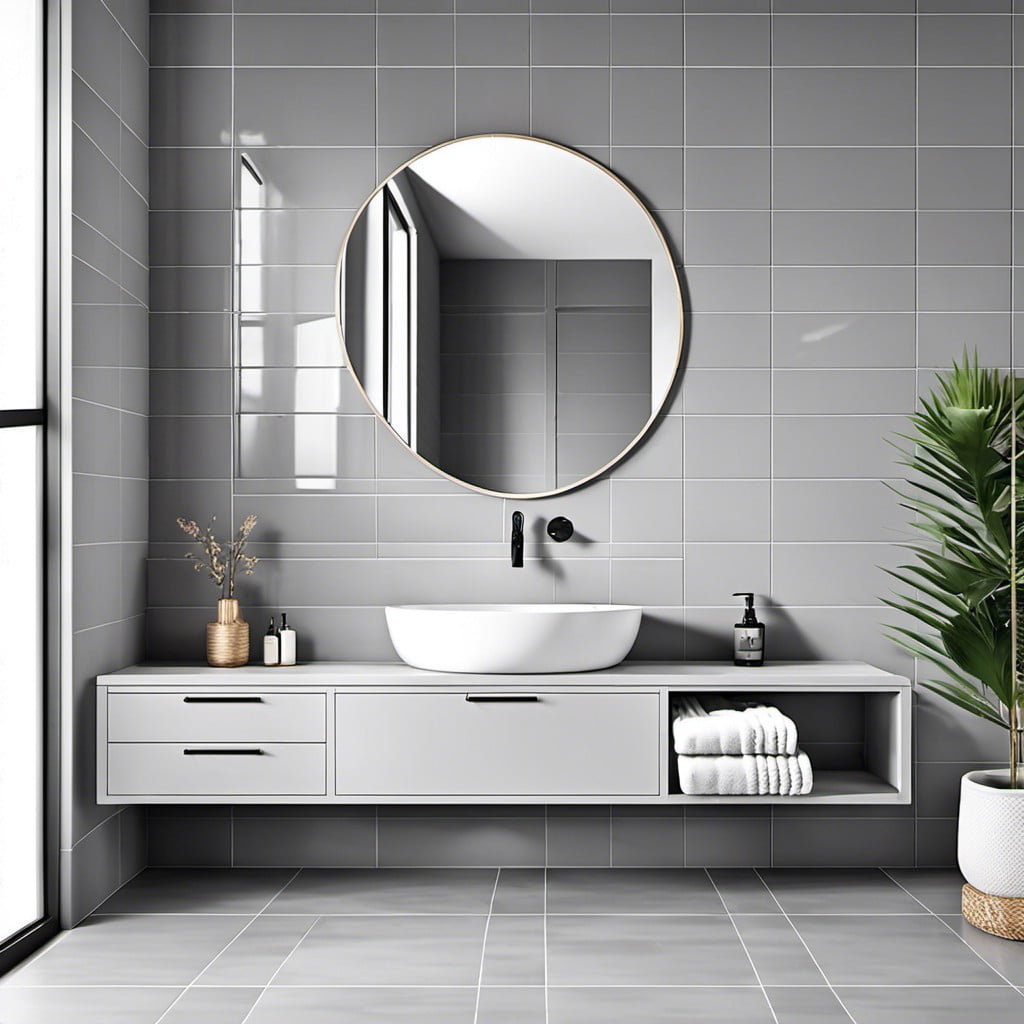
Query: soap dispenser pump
748, 636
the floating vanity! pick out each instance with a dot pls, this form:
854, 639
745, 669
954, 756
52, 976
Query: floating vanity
379, 733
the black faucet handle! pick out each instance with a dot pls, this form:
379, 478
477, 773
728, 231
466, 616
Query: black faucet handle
560, 529
517, 540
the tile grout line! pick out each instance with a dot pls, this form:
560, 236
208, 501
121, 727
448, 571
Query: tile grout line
280, 967
224, 948
946, 924
547, 1010
803, 942
750, 959
483, 947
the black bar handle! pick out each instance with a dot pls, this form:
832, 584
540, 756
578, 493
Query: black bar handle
223, 700
502, 698
244, 751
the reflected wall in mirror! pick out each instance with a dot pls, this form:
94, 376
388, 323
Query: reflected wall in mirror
511, 310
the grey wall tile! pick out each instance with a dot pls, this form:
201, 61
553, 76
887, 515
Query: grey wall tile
843, 843
304, 842
487, 99
728, 842
964, 178
851, 289
489, 40
844, 339
837, 510
728, 107
832, 39
723, 237
964, 107
723, 40
648, 842
306, 40
844, 107
191, 40
963, 238
411, 40
942, 337
648, 40
265, 112
727, 447
647, 106
569, 41
712, 571
414, 106
91, 868
961, 39
190, 106
190, 842
835, 446
726, 510
647, 510
579, 840
190, 179
461, 842
571, 105
844, 179
843, 239
731, 179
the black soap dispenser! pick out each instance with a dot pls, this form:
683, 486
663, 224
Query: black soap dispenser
748, 637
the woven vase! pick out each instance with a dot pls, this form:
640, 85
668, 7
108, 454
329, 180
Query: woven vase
227, 639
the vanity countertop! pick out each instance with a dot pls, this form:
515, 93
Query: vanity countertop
773, 675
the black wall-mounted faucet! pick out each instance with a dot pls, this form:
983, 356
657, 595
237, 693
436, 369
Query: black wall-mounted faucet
517, 540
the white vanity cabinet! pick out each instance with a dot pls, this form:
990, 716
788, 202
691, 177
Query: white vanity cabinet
373, 733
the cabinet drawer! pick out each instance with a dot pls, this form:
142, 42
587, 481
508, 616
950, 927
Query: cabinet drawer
173, 769
486, 744
204, 717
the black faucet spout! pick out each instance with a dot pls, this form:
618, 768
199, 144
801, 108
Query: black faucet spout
517, 540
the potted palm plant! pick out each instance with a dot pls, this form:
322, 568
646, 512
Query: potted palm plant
963, 591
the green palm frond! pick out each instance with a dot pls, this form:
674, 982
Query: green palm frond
961, 480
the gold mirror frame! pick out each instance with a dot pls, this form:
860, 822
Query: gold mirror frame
677, 293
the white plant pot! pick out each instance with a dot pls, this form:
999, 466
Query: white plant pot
990, 840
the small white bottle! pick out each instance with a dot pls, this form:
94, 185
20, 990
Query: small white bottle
287, 639
271, 645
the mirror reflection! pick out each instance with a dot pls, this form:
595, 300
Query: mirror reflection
510, 309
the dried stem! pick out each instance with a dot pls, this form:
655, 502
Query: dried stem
221, 569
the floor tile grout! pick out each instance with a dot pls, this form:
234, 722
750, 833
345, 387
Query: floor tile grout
280, 967
946, 924
223, 949
483, 948
753, 967
814, 959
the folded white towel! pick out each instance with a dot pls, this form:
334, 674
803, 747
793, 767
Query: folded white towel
714, 726
745, 774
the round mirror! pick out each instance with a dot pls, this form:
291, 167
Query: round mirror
511, 310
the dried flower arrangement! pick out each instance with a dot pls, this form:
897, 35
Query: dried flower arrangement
221, 567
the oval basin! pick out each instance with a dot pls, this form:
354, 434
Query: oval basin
513, 638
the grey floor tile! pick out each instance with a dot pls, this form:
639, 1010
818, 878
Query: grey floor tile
512, 1006
631, 891
1004, 956
519, 891
806, 1006
642, 951
838, 891
658, 1006
939, 889
891, 950
388, 950
84, 1005
257, 953
137, 950
778, 954
395, 891
933, 1005
514, 951
365, 1006
743, 892
212, 1006
197, 891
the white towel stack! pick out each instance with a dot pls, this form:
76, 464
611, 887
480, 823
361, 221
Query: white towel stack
733, 748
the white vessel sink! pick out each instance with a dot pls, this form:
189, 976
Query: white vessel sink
513, 638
